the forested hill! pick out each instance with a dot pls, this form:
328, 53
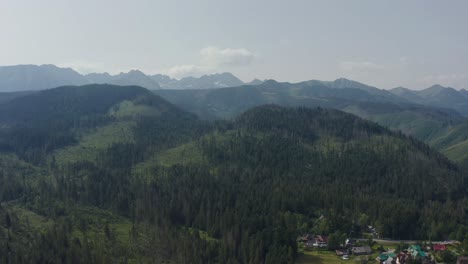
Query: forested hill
8, 96
141, 181
429, 124
34, 125
67, 102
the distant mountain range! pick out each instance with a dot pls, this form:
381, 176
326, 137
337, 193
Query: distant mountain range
437, 115
40, 77
438, 96
33, 77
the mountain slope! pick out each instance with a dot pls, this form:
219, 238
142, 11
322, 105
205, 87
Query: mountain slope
33, 77
437, 96
388, 110
343, 83
59, 103
408, 94
8, 96
227, 102
37, 124
133, 77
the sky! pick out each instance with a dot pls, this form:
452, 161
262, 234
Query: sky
384, 43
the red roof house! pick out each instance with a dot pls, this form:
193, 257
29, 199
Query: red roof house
439, 247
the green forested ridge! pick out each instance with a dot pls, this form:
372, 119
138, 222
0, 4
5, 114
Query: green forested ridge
171, 188
35, 125
8, 96
431, 124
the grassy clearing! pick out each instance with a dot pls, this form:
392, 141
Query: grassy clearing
129, 109
321, 257
457, 152
96, 220
188, 153
203, 234
96, 140
30, 220
415, 124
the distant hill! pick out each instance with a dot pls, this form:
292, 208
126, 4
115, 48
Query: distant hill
408, 94
398, 113
34, 125
133, 77
33, 77
8, 96
227, 102
437, 96
255, 82
342, 83
66, 101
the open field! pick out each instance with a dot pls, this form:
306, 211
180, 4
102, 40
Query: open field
319, 257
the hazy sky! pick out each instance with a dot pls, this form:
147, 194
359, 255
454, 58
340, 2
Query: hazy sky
382, 43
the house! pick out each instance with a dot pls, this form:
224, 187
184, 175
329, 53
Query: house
383, 257
366, 250
390, 260
415, 250
305, 237
310, 243
341, 252
350, 242
387, 258
402, 258
313, 240
462, 260
439, 247
321, 239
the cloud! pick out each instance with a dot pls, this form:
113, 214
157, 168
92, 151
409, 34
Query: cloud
214, 56
213, 59
403, 60
362, 66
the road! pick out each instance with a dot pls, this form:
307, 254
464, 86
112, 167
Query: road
395, 241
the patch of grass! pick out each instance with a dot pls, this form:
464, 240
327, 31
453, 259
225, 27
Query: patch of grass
96, 219
457, 152
19, 169
321, 257
94, 141
203, 234
188, 153
129, 109
29, 219
417, 125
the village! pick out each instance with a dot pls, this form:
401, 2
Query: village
315, 249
